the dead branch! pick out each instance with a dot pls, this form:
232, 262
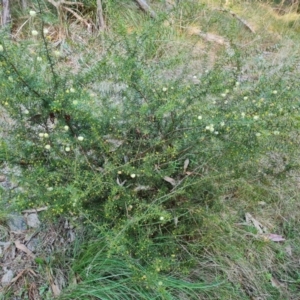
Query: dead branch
62, 2
209, 37
145, 7
100, 19
76, 15
6, 17
244, 22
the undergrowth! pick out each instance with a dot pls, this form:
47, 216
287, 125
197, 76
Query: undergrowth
160, 159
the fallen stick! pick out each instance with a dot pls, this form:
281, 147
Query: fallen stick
145, 7
244, 22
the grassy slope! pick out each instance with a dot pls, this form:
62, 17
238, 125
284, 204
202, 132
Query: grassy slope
229, 251
249, 266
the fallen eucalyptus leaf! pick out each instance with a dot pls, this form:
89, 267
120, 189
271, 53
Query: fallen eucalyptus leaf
186, 164
120, 183
23, 248
249, 219
170, 180
275, 237
142, 188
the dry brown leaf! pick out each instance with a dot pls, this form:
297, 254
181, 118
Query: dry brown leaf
186, 164
55, 289
33, 293
23, 248
170, 180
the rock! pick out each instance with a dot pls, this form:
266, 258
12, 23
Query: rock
7, 277
33, 220
16, 223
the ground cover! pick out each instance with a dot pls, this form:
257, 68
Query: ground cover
165, 150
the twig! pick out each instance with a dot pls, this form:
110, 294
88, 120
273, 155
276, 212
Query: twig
6, 16
244, 22
100, 19
76, 16
145, 7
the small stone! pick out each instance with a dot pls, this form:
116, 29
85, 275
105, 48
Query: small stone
7, 278
16, 223
2, 178
33, 220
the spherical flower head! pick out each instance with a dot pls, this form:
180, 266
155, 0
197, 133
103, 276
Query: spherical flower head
223, 95
47, 147
46, 31
75, 102
46, 135
237, 83
50, 189
258, 134
245, 98
72, 90
34, 33
66, 128
199, 117
274, 92
132, 175
210, 128
1, 48
26, 111
276, 132
41, 135
39, 59
67, 149
119, 172
32, 13
222, 124
80, 138
10, 79
56, 53
164, 89
255, 118
161, 218
243, 115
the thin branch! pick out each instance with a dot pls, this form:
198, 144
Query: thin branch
100, 19
6, 17
49, 58
76, 16
244, 22
145, 7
